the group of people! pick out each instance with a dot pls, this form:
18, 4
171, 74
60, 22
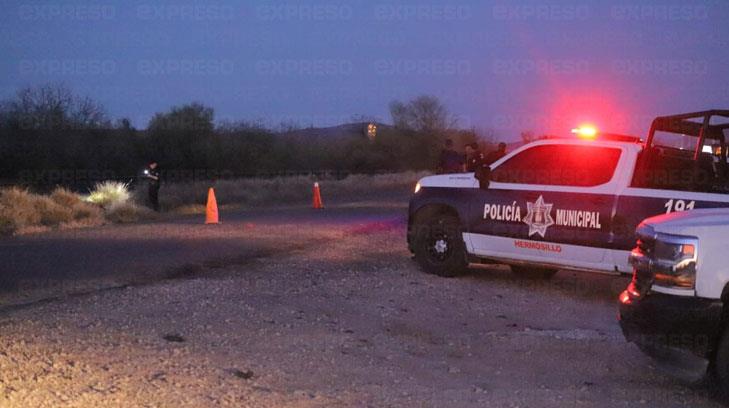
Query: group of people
453, 162
474, 161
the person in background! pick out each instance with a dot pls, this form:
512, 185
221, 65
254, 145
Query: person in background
152, 173
496, 154
450, 160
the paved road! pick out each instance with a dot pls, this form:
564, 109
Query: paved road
79, 260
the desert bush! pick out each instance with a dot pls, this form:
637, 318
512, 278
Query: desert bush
18, 208
65, 197
51, 213
109, 193
82, 211
85, 211
23, 212
127, 212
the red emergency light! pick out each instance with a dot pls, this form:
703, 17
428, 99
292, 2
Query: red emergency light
586, 132
590, 132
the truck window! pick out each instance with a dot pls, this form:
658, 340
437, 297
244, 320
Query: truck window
675, 140
669, 165
560, 165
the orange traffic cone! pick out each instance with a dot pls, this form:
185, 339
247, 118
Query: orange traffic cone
211, 211
317, 197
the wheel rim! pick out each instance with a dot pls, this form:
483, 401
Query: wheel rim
439, 245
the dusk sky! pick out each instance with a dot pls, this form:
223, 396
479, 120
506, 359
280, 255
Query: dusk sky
509, 66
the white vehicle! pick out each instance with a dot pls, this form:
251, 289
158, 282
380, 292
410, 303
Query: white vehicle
674, 306
570, 203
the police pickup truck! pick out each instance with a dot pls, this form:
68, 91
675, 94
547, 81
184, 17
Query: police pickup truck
570, 203
675, 307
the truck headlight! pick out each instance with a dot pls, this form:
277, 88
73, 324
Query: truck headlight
674, 264
417, 187
675, 252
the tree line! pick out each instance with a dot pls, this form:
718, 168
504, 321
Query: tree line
51, 136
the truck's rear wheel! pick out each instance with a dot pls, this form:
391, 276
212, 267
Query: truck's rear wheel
530, 272
439, 247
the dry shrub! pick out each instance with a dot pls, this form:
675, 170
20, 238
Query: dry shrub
17, 207
83, 211
128, 212
84, 214
66, 197
23, 212
51, 213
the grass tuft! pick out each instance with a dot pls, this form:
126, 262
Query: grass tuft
109, 193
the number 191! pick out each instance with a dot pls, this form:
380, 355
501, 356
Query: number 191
678, 205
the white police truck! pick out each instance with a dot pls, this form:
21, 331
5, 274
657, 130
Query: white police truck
675, 308
570, 203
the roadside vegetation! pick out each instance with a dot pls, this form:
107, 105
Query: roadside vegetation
22, 211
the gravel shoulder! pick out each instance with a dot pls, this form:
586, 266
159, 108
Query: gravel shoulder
343, 319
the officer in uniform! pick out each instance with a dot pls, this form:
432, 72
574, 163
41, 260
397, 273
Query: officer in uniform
476, 163
152, 173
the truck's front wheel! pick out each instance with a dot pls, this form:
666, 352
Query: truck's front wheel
439, 247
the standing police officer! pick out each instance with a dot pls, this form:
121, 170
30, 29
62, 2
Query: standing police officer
474, 157
152, 173
476, 163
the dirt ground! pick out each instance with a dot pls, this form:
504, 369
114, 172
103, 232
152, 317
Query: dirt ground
343, 319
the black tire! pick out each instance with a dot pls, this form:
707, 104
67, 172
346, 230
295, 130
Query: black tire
721, 365
530, 272
439, 247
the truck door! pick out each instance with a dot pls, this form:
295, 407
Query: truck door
549, 203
